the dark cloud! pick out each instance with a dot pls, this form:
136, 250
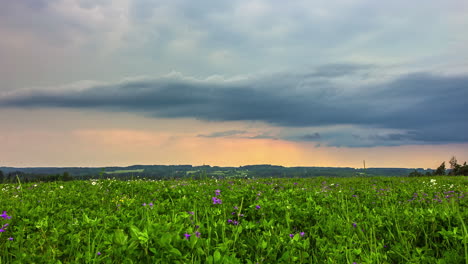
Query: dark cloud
428, 108
228, 133
310, 137
263, 136
338, 69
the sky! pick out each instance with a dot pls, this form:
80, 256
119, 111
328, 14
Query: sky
231, 83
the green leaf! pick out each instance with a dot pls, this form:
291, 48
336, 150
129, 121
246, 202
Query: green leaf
120, 238
200, 251
263, 244
217, 256
175, 252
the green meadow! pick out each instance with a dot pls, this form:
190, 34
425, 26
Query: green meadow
276, 220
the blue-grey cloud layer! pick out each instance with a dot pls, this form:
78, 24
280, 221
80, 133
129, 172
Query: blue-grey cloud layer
426, 108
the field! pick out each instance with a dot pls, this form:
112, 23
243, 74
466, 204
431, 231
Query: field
316, 220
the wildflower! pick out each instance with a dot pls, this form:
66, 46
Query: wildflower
291, 235
187, 236
93, 183
354, 225
10, 238
216, 200
144, 204
99, 253
236, 208
217, 192
302, 234
61, 187
257, 207
197, 234
190, 212
5, 215
2, 230
151, 204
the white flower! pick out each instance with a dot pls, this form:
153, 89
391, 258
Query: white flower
433, 180
93, 183
61, 187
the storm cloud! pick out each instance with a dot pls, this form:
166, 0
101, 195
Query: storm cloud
424, 108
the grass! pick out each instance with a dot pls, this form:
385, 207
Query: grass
318, 220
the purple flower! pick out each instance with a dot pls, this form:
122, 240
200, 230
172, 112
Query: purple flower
10, 238
151, 204
229, 221
144, 204
197, 234
236, 208
5, 216
354, 225
257, 207
216, 200
99, 253
2, 230
291, 235
217, 192
187, 236
190, 212
302, 234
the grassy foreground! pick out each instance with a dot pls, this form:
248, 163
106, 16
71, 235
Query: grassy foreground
319, 220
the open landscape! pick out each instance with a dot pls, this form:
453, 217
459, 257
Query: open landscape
239, 131
269, 220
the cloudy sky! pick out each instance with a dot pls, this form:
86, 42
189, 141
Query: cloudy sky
294, 83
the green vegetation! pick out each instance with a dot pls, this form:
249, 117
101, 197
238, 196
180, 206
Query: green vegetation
167, 172
455, 170
124, 171
271, 220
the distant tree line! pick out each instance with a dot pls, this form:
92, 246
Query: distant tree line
171, 172
455, 170
14, 176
